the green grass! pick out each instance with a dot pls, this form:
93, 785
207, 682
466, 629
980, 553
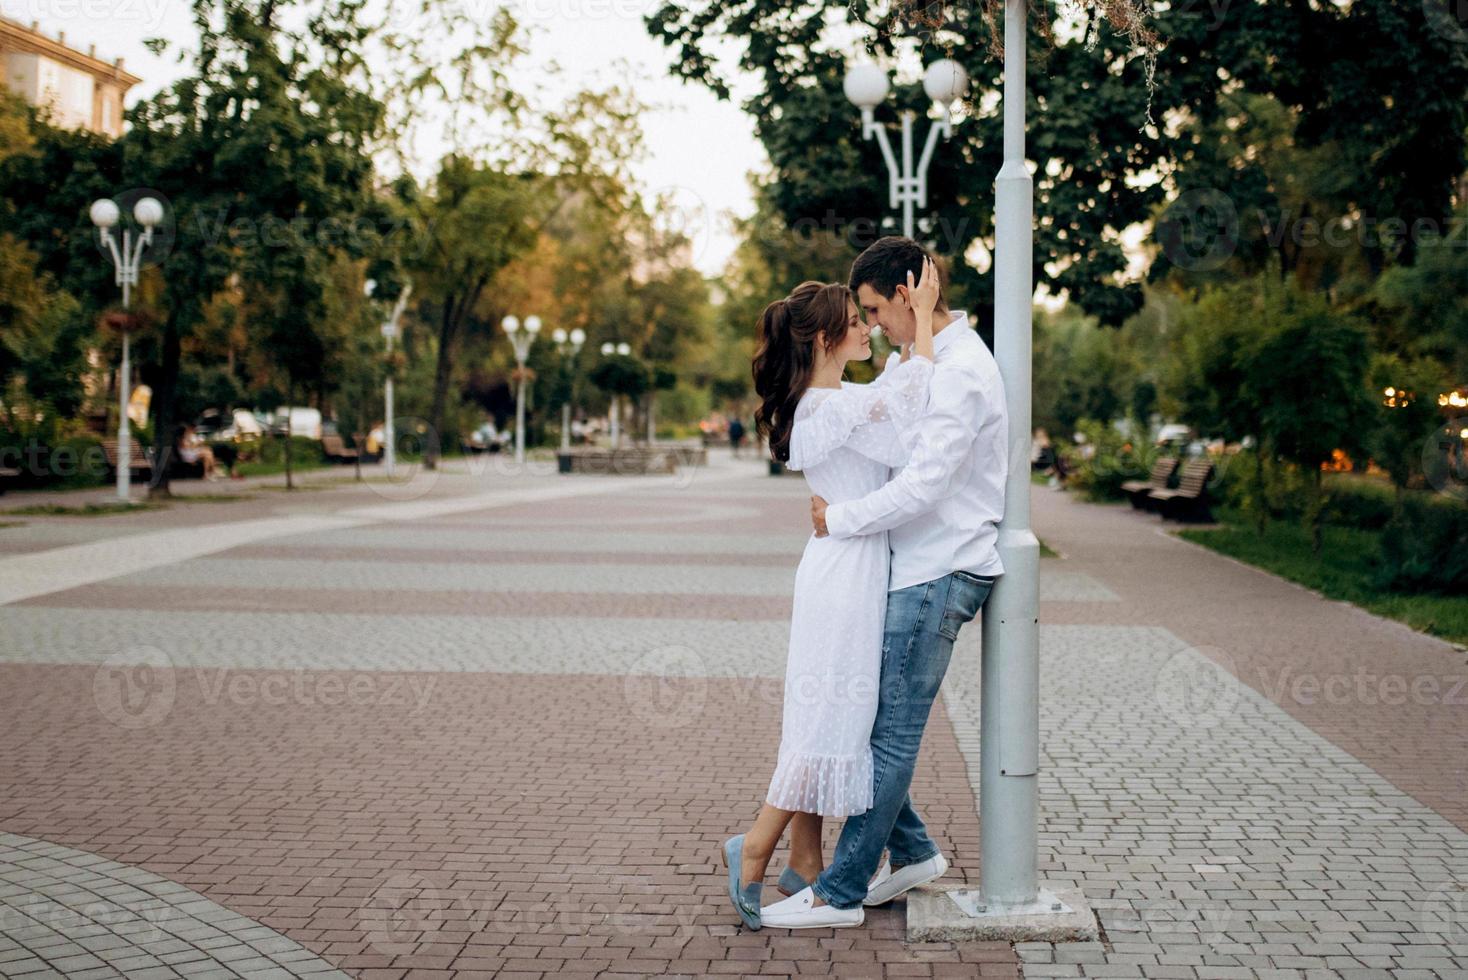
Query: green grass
1342, 570
276, 467
85, 510
1048, 552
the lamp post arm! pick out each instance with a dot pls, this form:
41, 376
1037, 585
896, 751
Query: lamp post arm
941, 127
118, 263
872, 130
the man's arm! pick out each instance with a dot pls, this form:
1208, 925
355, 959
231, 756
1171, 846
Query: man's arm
939, 464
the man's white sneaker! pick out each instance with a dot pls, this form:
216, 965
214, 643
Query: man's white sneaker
889, 884
799, 911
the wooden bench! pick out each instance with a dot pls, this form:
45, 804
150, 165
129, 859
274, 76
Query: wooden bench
139, 461
7, 473
1139, 491
1190, 500
336, 450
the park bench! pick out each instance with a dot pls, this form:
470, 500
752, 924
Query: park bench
140, 462
336, 450
1189, 501
7, 475
1139, 491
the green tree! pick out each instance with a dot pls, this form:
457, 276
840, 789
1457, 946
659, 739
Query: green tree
1405, 395
1308, 380
263, 152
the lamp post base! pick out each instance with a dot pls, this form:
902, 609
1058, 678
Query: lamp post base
1059, 914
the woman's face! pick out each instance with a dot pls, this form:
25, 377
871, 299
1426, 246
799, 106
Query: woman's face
857, 344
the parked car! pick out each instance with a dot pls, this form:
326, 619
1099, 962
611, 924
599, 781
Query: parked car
303, 422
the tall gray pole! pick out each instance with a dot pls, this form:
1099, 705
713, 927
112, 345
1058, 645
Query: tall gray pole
1009, 755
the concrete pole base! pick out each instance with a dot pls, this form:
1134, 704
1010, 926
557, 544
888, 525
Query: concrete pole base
958, 914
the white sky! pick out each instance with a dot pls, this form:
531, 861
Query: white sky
699, 149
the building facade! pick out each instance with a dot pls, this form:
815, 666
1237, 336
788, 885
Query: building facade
81, 90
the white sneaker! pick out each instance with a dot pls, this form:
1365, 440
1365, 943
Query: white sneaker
889, 884
800, 912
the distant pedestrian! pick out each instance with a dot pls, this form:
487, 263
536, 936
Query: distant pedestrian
736, 434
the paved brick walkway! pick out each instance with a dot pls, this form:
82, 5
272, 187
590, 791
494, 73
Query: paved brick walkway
500, 740
486, 728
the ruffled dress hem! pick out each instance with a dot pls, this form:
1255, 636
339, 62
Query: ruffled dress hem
828, 785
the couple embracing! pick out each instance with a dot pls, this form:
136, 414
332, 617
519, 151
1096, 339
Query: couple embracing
908, 478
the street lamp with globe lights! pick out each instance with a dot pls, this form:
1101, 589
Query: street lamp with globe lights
576, 338
521, 337
126, 261
607, 350
866, 87
390, 331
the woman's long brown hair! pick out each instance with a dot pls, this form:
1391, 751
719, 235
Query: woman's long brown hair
789, 329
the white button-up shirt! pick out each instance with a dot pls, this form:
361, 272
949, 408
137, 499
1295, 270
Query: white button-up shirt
942, 509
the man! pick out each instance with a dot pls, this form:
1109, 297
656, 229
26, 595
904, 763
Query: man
942, 512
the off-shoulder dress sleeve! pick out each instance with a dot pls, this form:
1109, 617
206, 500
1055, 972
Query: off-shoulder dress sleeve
870, 419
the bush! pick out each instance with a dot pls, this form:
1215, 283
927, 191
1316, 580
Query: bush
1115, 459
1359, 502
1425, 548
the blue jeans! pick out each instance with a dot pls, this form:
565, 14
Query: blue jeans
922, 623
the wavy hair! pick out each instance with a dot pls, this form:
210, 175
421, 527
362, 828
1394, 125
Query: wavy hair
789, 329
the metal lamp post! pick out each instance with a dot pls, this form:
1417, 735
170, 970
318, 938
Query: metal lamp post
576, 338
389, 434
607, 350
866, 86
521, 336
1010, 683
126, 261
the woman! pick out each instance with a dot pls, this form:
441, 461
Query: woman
844, 437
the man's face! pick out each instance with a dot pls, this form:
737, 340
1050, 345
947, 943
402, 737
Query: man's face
893, 315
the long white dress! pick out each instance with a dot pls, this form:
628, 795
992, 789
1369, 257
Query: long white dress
845, 441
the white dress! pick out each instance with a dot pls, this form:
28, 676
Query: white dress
845, 441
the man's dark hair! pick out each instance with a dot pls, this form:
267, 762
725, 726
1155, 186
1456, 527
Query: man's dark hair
885, 265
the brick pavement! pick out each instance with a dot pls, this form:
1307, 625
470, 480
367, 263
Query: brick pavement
454, 739
407, 772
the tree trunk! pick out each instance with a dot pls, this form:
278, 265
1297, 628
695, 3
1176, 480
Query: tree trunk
1317, 512
1261, 491
441, 373
290, 403
165, 410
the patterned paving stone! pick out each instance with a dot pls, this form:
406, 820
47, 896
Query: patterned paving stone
1213, 832
65, 912
321, 641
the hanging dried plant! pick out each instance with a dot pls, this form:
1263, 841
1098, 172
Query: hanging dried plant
1129, 19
